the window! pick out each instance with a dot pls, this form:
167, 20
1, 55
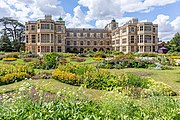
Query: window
27, 27
52, 38
132, 29
102, 35
45, 26
88, 35
154, 29
59, 49
147, 39
81, 34
59, 28
147, 48
132, 39
45, 48
33, 27
38, 26
88, 42
38, 38
124, 41
141, 49
52, 49
107, 42
33, 38
59, 38
75, 43
124, 48
154, 39
33, 49
26, 38
117, 48
68, 43
117, 41
95, 43
94, 35
113, 42
124, 30
147, 28
75, 35
154, 49
141, 38
38, 48
52, 27
81, 43
45, 38
101, 42
141, 28
68, 35
132, 48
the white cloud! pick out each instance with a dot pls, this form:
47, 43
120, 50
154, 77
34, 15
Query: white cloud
166, 27
176, 24
78, 20
106, 9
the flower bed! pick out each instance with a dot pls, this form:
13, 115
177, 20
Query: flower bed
27, 59
175, 57
9, 59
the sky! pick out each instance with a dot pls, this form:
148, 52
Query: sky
97, 13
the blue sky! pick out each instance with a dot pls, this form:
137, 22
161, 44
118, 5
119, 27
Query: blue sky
97, 13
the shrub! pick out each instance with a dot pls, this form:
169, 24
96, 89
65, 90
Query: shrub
66, 77
9, 59
2, 53
10, 78
100, 54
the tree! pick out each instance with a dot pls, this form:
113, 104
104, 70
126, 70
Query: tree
174, 44
14, 30
5, 43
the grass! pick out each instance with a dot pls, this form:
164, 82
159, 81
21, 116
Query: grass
170, 77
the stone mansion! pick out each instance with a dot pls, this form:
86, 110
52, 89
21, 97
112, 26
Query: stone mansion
47, 35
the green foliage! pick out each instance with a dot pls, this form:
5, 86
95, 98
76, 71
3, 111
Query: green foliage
31, 104
100, 54
122, 62
13, 77
174, 44
12, 73
91, 77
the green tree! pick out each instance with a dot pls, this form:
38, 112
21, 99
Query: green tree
15, 31
5, 43
174, 44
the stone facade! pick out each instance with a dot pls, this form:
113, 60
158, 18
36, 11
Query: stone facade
47, 35
135, 37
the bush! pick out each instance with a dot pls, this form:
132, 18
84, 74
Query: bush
13, 77
9, 59
66, 77
100, 54
2, 53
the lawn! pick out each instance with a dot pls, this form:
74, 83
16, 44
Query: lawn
170, 77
